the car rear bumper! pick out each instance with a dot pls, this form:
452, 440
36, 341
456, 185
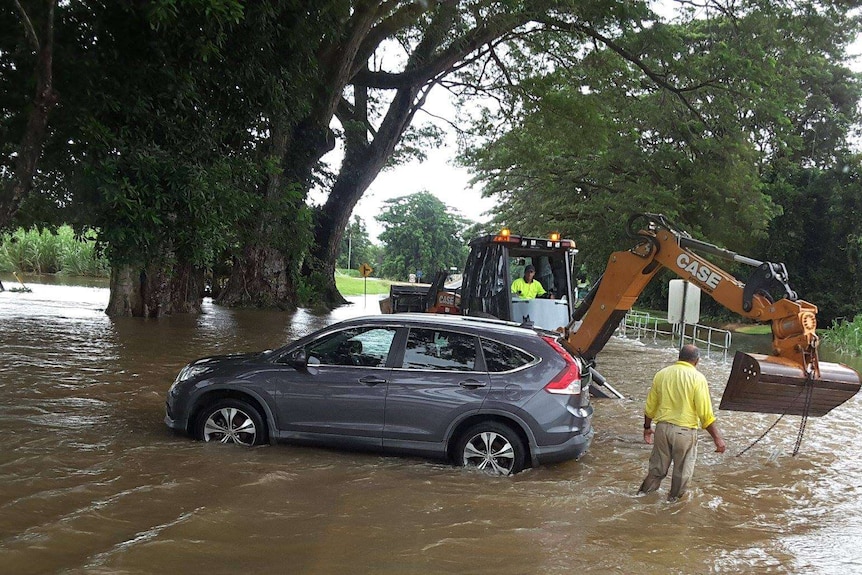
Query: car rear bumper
573, 448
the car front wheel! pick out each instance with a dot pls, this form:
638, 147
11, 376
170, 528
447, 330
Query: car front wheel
492, 447
231, 421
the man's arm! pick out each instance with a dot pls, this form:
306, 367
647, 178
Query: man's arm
648, 432
650, 407
713, 430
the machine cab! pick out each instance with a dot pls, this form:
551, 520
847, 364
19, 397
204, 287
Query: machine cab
495, 262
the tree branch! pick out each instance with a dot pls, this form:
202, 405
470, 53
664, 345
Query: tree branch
28, 27
402, 18
446, 59
649, 72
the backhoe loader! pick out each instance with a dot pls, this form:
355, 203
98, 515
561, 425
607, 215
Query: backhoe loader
792, 380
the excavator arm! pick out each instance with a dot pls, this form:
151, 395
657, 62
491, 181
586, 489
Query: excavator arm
791, 380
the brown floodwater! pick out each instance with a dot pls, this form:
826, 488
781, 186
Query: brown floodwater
91, 480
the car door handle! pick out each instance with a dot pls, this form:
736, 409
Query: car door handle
472, 384
371, 381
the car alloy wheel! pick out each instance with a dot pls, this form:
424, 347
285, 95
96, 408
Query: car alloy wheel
231, 421
492, 447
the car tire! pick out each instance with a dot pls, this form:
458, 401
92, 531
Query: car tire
231, 421
492, 447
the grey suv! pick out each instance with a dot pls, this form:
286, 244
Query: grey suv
481, 393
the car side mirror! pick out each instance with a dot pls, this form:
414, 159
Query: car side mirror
302, 362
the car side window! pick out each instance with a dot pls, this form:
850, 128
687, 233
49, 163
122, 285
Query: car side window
500, 357
358, 346
440, 350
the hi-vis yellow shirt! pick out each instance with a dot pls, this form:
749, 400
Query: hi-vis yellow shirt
527, 290
680, 395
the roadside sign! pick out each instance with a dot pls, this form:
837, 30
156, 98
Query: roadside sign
365, 270
683, 302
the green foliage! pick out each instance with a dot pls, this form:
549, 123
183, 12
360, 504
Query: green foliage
167, 173
83, 258
45, 251
845, 336
155, 203
589, 139
817, 237
346, 273
421, 233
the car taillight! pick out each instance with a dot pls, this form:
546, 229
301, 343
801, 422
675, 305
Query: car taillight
568, 381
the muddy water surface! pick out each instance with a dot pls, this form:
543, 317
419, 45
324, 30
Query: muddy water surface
91, 481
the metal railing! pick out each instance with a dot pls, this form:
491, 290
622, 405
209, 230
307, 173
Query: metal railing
642, 326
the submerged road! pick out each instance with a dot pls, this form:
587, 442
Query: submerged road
93, 482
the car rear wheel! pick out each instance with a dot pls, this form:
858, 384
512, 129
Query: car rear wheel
492, 447
231, 421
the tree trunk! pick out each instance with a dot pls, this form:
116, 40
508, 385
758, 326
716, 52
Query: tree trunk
362, 163
139, 293
125, 299
259, 279
264, 276
154, 292
186, 289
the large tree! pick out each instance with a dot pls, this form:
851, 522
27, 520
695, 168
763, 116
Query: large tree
715, 85
139, 147
421, 234
684, 119
374, 65
168, 176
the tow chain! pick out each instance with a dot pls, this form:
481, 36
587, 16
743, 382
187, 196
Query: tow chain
762, 435
808, 389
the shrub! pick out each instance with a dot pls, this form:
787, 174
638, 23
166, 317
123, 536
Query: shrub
845, 336
43, 252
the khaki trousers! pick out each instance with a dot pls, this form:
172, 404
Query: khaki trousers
672, 444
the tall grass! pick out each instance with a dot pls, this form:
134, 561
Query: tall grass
47, 252
845, 336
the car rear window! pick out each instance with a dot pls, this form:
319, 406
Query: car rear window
500, 357
441, 350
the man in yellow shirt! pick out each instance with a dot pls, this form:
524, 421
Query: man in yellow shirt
527, 287
679, 403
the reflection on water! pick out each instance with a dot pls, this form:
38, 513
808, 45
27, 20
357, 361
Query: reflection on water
93, 482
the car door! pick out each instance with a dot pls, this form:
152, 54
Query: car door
439, 380
340, 399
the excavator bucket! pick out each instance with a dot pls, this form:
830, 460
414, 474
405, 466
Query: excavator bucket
771, 384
